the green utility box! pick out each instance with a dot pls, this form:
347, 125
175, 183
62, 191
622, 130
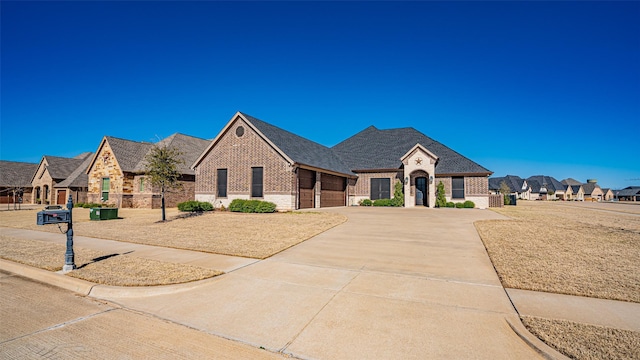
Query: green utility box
103, 213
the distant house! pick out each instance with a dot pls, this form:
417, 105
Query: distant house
116, 172
15, 182
517, 186
252, 159
607, 194
571, 181
549, 187
631, 193
49, 180
575, 192
592, 191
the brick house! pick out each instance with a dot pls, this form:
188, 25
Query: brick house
116, 172
575, 192
58, 177
15, 179
251, 159
517, 186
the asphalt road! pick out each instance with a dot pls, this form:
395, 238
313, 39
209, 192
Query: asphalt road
42, 321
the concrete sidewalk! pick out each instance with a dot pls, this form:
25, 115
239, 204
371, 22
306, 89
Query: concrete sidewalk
389, 283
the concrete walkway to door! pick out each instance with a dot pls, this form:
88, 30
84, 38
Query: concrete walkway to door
389, 283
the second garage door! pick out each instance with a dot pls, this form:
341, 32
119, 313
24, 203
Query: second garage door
333, 190
307, 182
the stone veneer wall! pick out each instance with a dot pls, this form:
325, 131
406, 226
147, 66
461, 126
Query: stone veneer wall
238, 155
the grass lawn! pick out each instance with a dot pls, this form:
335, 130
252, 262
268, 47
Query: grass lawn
566, 249
576, 249
100, 267
248, 235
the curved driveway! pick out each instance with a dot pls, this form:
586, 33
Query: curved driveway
389, 283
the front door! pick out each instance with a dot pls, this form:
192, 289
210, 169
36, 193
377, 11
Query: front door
62, 194
421, 191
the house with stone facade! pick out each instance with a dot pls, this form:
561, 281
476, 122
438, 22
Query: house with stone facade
116, 172
58, 177
252, 159
549, 187
574, 192
15, 182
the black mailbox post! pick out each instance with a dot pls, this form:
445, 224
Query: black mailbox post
46, 217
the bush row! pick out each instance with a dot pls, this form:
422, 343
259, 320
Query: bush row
92, 205
195, 206
252, 206
466, 205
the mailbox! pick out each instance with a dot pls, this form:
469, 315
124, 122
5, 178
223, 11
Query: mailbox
53, 217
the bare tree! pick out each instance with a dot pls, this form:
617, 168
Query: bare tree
162, 169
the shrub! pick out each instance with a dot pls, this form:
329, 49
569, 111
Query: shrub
78, 205
195, 206
383, 202
91, 205
450, 204
459, 205
441, 200
469, 204
366, 202
236, 205
398, 195
252, 206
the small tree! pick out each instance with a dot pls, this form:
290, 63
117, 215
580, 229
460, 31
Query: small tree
505, 191
162, 169
441, 200
398, 195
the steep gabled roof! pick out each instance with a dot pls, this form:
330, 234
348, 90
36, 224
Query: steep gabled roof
535, 186
128, 153
514, 182
79, 177
549, 182
589, 187
300, 150
571, 181
576, 188
374, 149
60, 168
16, 174
191, 147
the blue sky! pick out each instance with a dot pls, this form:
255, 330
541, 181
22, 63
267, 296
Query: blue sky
522, 88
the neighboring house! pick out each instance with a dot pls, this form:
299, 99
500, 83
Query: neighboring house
607, 194
576, 191
571, 181
15, 180
251, 159
631, 193
536, 191
551, 188
53, 171
116, 172
517, 186
592, 191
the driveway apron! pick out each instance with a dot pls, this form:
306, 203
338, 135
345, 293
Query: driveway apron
389, 283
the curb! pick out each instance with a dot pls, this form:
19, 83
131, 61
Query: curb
94, 290
62, 281
536, 344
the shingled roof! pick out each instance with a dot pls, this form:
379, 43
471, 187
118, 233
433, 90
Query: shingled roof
16, 174
548, 182
190, 147
78, 178
589, 187
514, 183
127, 152
300, 150
60, 168
628, 191
571, 181
374, 149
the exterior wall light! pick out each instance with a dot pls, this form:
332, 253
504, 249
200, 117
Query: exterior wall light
430, 179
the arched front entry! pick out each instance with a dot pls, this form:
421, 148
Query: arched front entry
420, 187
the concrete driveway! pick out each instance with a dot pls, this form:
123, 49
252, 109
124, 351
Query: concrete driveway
389, 283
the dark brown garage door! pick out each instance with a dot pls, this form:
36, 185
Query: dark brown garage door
333, 191
307, 181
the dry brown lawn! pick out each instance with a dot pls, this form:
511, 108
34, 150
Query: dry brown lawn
567, 249
583, 341
248, 235
99, 267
